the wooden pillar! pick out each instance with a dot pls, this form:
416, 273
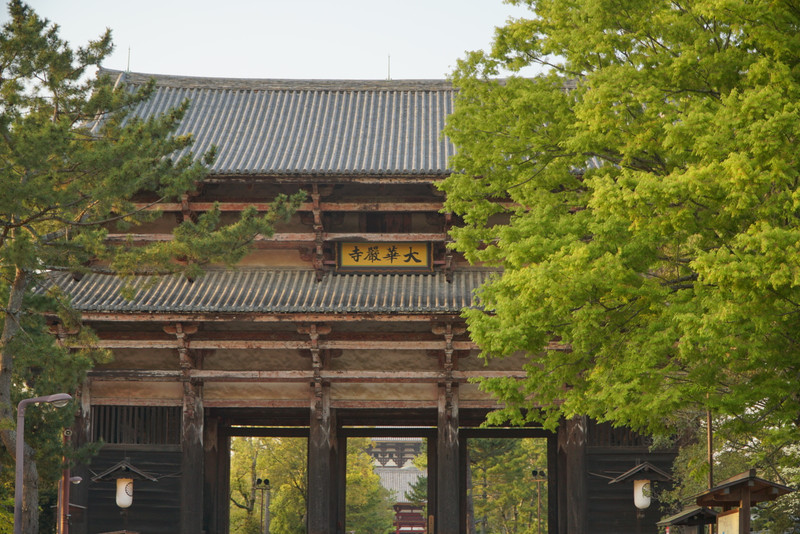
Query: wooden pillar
340, 481
552, 484
216, 485
448, 468
192, 421
82, 434
744, 509
192, 459
572, 442
322, 455
324, 501
433, 461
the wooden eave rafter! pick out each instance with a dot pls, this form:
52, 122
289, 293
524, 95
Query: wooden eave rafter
292, 239
306, 179
482, 405
277, 344
295, 376
169, 317
306, 206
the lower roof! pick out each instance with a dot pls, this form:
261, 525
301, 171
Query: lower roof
254, 290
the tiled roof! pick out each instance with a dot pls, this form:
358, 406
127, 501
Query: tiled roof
309, 127
277, 291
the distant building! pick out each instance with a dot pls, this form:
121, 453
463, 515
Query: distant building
393, 461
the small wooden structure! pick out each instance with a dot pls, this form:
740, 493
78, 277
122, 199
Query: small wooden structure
346, 322
691, 520
409, 519
736, 496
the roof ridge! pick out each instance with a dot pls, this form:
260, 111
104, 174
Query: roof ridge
268, 84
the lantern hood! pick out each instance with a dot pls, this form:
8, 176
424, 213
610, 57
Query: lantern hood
644, 470
124, 469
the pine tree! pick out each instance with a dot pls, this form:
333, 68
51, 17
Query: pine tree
71, 160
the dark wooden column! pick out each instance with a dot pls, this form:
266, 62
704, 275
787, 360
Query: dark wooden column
216, 449
448, 468
192, 421
82, 434
192, 459
323, 445
322, 471
340, 480
744, 508
552, 484
433, 462
572, 436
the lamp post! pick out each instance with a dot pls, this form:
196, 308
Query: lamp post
58, 400
539, 477
262, 485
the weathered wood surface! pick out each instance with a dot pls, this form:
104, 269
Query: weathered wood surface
448, 465
192, 459
344, 376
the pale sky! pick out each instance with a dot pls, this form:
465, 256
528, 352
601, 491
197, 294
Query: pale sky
307, 39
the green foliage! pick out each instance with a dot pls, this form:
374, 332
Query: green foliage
283, 462
369, 505
502, 492
418, 494
72, 159
649, 215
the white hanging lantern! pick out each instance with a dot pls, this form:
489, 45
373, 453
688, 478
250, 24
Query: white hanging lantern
124, 492
641, 494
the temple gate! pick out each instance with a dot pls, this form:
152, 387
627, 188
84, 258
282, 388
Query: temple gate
344, 323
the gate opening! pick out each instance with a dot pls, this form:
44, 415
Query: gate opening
399, 466
506, 483
268, 485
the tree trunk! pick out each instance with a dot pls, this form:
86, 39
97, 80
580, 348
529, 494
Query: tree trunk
30, 494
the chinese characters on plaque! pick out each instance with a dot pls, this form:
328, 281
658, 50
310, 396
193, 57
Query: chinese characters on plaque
384, 256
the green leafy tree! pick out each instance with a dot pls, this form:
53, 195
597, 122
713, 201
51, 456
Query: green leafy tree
640, 195
368, 504
248, 463
502, 496
283, 462
71, 160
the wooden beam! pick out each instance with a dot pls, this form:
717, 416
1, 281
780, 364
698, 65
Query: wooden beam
339, 376
255, 403
238, 344
292, 403
306, 206
127, 400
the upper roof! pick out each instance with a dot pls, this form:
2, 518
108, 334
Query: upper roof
309, 127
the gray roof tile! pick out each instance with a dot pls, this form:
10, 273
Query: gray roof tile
310, 127
277, 291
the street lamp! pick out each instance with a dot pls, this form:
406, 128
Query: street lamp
59, 400
539, 477
262, 485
